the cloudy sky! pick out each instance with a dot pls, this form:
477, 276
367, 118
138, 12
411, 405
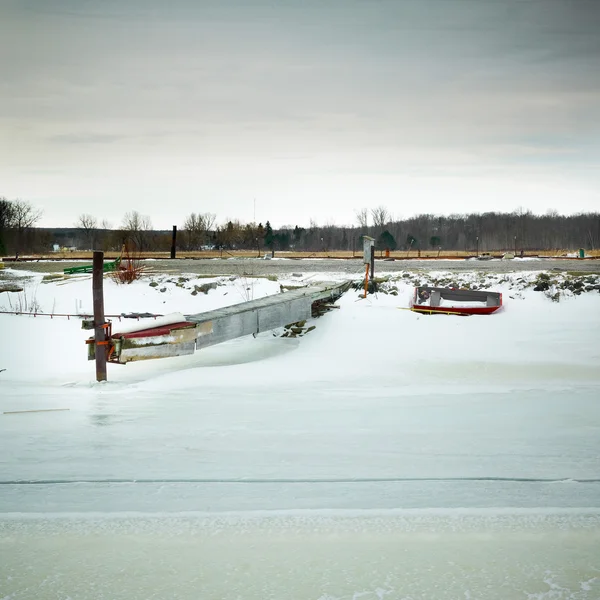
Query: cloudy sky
313, 108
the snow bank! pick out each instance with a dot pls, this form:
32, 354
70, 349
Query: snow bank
532, 338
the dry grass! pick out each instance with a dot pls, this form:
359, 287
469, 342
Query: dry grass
457, 254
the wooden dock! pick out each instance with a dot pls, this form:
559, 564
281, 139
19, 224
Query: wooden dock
261, 315
183, 335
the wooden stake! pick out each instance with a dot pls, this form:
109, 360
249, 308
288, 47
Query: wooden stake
100, 331
174, 242
367, 280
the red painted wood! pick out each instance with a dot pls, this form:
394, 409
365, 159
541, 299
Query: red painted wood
155, 331
461, 310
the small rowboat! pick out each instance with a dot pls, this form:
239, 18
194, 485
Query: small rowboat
454, 301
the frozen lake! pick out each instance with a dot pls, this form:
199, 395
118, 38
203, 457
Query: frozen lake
441, 556
456, 458
223, 447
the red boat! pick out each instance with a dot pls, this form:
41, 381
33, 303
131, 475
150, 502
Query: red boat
454, 301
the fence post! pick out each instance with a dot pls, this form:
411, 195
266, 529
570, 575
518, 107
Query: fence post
99, 329
174, 242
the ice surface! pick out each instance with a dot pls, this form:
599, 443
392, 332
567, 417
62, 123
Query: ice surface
252, 469
507, 557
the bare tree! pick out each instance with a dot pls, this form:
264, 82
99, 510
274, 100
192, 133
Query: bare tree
87, 222
6, 213
107, 237
230, 234
192, 230
252, 236
380, 216
137, 229
196, 227
209, 220
6, 220
24, 217
362, 218
89, 225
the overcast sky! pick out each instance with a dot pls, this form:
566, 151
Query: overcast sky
315, 108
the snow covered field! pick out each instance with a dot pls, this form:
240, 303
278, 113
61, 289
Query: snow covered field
384, 455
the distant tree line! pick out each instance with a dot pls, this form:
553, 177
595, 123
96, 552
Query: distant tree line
519, 230
490, 231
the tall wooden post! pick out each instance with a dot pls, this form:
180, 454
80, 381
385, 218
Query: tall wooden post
174, 242
368, 259
99, 330
372, 262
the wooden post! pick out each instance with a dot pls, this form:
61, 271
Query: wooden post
99, 330
368, 258
174, 242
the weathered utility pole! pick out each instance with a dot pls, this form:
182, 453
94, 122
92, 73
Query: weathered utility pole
99, 328
174, 242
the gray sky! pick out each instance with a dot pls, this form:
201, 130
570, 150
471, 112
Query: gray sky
314, 108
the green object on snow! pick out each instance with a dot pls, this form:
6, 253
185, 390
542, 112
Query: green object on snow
108, 268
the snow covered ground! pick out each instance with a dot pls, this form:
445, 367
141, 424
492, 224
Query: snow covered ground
385, 454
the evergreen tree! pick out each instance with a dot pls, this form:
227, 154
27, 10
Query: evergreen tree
298, 231
386, 241
269, 237
283, 240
